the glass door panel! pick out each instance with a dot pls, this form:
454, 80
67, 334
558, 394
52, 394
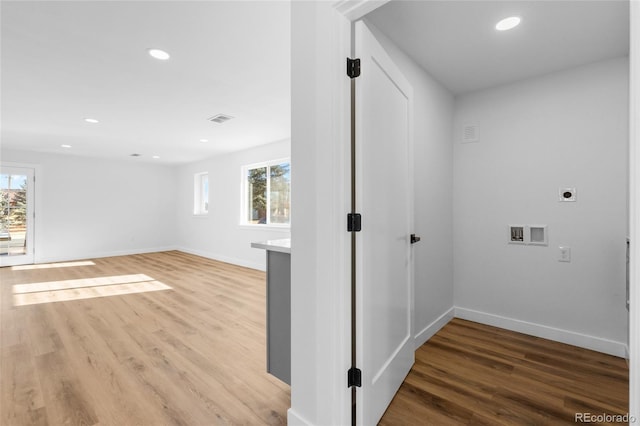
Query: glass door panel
16, 206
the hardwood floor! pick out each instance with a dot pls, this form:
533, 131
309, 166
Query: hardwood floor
194, 354
190, 355
472, 374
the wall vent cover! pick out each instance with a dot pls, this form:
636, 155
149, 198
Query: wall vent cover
469, 133
220, 118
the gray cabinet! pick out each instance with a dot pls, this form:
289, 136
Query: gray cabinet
278, 307
279, 315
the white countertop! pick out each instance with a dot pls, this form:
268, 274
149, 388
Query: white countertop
282, 245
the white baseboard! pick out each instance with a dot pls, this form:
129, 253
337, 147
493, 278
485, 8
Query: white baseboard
564, 336
98, 255
294, 419
226, 259
427, 332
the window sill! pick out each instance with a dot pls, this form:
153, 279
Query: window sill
276, 228
201, 215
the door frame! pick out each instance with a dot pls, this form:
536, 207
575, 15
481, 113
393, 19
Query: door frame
35, 201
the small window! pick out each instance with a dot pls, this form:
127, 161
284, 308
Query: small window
201, 193
267, 194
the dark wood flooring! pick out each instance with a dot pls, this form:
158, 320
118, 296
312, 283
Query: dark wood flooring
473, 374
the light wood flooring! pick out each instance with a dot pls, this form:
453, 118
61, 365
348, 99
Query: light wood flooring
195, 355
190, 355
472, 374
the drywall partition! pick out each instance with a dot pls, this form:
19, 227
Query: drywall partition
320, 275
88, 207
433, 200
219, 234
567, 129
634, 212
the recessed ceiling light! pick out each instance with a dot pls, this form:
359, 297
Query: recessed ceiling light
91, 120
204, 140
156, 157
508, 23
66, 146
159, 54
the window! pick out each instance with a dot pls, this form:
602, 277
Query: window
201, 193
267, 194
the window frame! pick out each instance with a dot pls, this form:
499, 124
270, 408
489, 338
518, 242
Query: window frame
244, 223
200, 202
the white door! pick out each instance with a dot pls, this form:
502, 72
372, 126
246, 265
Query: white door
384, 277
16, 215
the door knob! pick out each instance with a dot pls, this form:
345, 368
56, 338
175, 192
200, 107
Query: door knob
414, 239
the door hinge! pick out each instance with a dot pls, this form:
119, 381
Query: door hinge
353, 67
354, 222
354, 377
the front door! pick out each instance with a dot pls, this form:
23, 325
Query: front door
16, 215
384, 265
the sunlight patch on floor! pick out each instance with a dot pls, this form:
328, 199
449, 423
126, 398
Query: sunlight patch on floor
52, 265
86, 288
80, 283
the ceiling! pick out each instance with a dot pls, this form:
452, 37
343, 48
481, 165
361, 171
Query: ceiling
456, 42
63, 62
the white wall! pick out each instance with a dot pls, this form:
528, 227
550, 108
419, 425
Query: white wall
218, 235
318, 42
567, 129
320, 276
634, 213
88, 207
433, 199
